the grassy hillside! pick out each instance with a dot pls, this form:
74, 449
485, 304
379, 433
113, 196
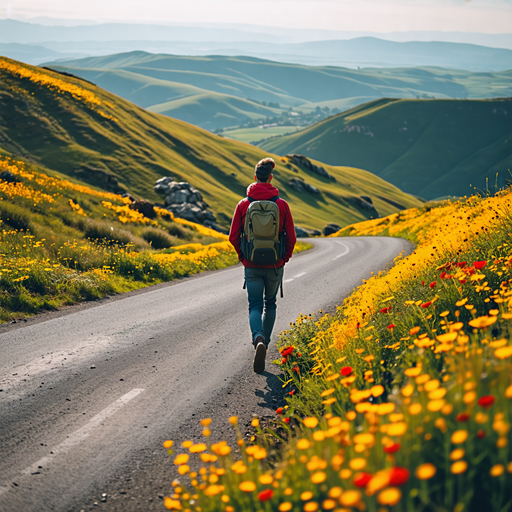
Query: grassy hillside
430, 148
62, 242
64, 124
212, 110
151, 79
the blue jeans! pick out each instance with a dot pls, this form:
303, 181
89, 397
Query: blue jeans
262, 287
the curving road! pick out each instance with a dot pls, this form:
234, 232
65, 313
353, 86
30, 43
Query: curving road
88, 394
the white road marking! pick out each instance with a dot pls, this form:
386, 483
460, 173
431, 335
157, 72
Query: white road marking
346, 251
295, 277
78, 436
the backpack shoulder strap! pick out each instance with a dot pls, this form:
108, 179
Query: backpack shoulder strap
274, 199
250, 199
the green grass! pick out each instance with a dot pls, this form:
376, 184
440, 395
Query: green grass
429, 148
61, 134
211, 110
168, 84
255, 135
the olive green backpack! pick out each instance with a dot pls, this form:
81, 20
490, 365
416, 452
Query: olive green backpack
262, 241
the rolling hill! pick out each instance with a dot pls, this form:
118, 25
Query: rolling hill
72, 127
474, 51
175, 85
430, 148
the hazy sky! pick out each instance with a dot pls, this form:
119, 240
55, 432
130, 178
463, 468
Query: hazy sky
491, 16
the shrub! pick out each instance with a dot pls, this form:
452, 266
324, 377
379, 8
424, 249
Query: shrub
158, 238
102, 231
14, 216
179, 231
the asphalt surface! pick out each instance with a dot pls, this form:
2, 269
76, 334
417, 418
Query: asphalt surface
88, 394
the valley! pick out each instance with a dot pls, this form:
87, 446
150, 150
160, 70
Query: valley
218, 92
429, 148
72, 127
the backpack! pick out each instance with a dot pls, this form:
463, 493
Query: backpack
262, 242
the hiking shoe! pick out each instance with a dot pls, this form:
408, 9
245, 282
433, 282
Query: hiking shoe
260, 355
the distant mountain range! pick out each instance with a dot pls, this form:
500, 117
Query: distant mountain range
430, 148
207, 32
75, 128
351, 51
212, 92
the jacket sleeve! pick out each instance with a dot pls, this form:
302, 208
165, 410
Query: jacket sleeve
236, 230
291, 239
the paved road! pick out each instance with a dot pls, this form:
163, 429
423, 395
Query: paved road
88, 396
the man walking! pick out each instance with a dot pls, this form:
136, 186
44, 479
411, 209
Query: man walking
263, 235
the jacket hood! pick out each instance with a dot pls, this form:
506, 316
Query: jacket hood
262, 191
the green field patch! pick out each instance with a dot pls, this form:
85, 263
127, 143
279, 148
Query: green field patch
255, 135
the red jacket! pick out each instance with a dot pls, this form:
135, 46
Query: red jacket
262, 192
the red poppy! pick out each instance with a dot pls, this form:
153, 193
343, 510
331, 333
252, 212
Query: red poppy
486, 401
284, 360
392, 448
391, 327
422, 283
433, 284
296, 369
442, 276
346, 371
462, 281
462, 264
286, 420
426, 305
266, 495
386, 310
399, 476
362, 479
479, 265
292, 392
279, 410
299, 354
480, 434
462, 416
287, 351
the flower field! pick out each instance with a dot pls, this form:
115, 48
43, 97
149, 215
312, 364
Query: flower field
60, 86
401, 401
62, 242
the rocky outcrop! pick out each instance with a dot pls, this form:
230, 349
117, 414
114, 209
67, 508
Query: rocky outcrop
162, 185
306, 233
306, 163
9, 177
145, 207
330, 229
101, 178
186, 202
362, 203
302, 186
